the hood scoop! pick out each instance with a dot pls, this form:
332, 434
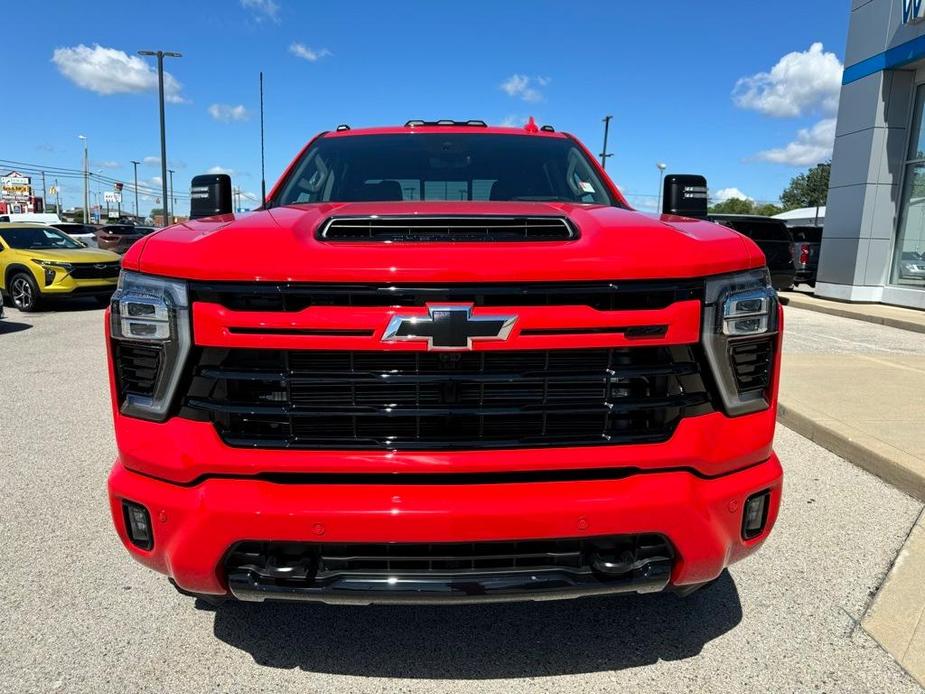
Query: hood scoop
445, 229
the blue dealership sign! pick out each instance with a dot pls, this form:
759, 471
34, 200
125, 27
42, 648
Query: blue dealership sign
912, 11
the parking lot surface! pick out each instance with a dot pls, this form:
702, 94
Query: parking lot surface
80, 615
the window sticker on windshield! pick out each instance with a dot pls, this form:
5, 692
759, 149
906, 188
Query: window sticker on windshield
586, 187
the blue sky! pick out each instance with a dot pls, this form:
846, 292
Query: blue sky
692, 84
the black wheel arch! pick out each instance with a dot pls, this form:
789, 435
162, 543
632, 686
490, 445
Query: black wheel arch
14, 269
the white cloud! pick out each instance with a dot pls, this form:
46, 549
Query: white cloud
107, 164
110, 71
812, 146
519, 87
156, 161
227, 113
220, 170
262, 9
725, 194
312, 55
513, 121
800, 83
648, 203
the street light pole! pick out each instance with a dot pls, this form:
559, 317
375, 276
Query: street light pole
661, 176
86, 179
135, 165
160, 91
173, 201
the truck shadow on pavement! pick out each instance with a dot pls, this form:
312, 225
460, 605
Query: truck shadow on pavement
482, 641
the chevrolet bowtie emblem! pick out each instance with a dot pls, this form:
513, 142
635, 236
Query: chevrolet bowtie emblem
448, 327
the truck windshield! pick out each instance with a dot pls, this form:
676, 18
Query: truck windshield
434, 166
35, 238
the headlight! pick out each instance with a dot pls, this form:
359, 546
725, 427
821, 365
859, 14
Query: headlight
53, 264
740, 338
150, 326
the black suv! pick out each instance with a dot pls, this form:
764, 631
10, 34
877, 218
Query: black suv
774, 239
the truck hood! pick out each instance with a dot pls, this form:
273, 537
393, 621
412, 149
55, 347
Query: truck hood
279, 245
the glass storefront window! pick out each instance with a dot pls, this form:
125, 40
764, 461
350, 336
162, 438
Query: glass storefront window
909, 252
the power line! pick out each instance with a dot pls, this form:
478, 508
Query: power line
67, 173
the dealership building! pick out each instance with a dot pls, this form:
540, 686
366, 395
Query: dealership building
873, 247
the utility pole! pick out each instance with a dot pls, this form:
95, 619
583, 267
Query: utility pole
57, 197
173, 200
604, 154
44, 193
263, 177
160, 90
135, 165
86, 179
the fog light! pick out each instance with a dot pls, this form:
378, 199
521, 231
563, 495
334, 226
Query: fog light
138, 524
755, 515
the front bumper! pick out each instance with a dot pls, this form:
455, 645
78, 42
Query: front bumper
68, 286
195, 525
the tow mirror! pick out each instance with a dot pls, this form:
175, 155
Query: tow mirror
210, 194
685, 195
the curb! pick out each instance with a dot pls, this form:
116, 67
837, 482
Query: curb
876, 457
832, 308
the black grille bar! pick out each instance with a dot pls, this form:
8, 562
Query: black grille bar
603, 296
448, 400
95, 271
751, 363
137, 367
425, 229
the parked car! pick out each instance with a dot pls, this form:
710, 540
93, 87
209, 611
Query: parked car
31, 217
120, 237
912, 266
85, 233
772, 237
38, 261
807, 240
521, 389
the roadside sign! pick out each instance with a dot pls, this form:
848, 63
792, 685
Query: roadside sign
110, 196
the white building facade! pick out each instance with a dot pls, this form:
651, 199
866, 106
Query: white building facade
873, 248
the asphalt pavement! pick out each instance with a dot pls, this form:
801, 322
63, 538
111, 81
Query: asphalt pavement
79, 615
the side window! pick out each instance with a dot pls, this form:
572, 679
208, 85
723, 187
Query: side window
583, 182
314, 181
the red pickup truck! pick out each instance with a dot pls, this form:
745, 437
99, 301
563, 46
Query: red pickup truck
443, 362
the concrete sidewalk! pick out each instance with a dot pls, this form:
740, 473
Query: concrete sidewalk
880, 314
857, 388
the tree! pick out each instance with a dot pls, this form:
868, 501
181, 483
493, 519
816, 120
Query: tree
768, 209
809, 189
734, 206
156, 212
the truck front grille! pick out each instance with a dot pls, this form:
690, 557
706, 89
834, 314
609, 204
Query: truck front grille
631, 295
445, 400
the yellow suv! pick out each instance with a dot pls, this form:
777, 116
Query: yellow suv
38, 261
